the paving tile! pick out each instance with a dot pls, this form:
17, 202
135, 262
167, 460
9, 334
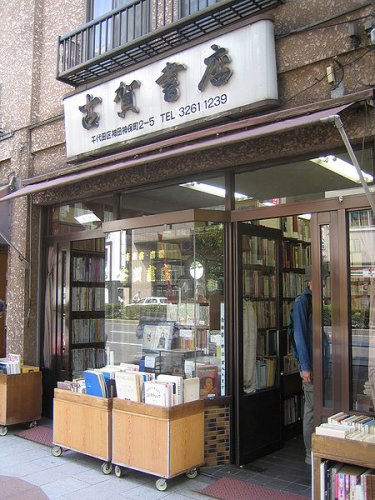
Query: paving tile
62, 487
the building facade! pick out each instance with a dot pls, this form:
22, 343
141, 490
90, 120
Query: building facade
153, 105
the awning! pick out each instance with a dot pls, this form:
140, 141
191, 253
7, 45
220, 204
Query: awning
155, 152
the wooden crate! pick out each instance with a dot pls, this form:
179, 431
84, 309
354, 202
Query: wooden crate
20, 398
161, 441
83, 423
341, 450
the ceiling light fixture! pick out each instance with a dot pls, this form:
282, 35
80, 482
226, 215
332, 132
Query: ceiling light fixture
86, 218
341, 167
214, 190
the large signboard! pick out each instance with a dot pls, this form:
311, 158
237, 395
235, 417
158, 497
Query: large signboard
231, 72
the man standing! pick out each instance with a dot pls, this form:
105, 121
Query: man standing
303, 338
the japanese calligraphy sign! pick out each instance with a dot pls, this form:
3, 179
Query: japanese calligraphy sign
232, 73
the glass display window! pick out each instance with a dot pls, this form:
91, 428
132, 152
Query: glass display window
165, 301
362, 300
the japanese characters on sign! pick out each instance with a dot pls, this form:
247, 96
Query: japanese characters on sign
216, 73
205, 81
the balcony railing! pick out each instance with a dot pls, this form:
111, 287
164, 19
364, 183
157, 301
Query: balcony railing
142, 29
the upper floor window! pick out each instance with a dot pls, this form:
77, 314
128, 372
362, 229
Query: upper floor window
98, 8
190, 6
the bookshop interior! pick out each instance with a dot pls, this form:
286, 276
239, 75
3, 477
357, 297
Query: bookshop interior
164, 296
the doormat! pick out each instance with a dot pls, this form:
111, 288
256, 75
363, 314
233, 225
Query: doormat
39, 434
233, 489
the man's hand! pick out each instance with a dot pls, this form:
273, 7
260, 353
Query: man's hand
307, 377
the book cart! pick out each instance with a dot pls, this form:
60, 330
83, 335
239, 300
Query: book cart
83, 423
20, 399
162, 441
341, 450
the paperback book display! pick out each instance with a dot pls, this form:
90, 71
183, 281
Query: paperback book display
125, 381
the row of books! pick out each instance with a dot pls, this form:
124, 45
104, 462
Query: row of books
266, 314
87, 358
295, 255
296, 227
346, 482
290, 364
292, 409
88, 330
188, 313
88, 268
293, 284
131, 384
343, 425
265, 372
258, 251
189, 339
87, 299
257, 284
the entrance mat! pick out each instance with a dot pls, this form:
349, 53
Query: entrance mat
233, 489
39, 434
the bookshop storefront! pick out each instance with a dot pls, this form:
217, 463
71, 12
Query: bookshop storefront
179, 236
194, 275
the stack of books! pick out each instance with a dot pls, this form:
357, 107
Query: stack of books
343, 425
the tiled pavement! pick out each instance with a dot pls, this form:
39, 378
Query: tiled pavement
29, 471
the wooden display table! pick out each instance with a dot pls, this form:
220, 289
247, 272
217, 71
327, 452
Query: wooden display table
341, 450
20, 399
83, 423
161, 441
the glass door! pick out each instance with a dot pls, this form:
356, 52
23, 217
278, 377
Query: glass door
258, 403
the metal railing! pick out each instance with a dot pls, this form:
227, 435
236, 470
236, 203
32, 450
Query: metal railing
142, 29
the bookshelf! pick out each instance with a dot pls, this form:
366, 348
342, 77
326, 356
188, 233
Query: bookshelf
87, 307
339, 450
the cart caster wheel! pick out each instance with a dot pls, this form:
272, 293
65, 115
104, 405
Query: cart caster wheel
118, 471
161, 484
192, 474
3, 430
107, 468
33, 424
56, 451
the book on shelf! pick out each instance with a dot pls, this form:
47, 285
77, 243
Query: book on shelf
178, 395
347, 478
208, 379
158, 336
340, 481
95, 383
363, 425
128, 386
191, 389
158, 393
334, 430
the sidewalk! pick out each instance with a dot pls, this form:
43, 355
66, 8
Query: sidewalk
29, 471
